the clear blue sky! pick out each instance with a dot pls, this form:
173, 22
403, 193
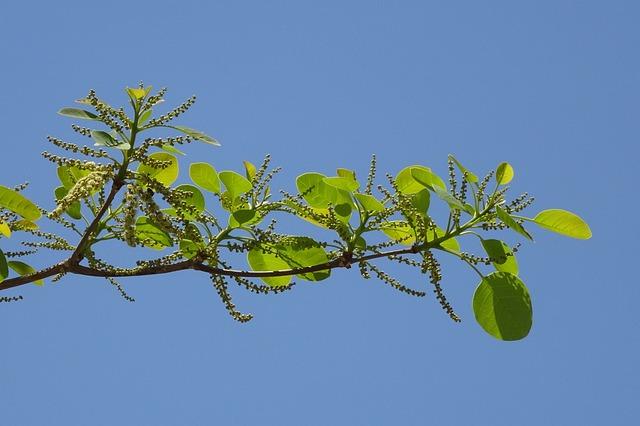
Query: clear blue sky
551, 86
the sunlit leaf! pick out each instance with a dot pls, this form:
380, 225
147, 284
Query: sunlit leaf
563, 222
74, 209
407, 184
77, 113
243, 217
343, 183
421, 200
188, 248
369, 202
145, 116
261, 260
17, 203
196, 134
23, 269
453, 202
205, 176
425, 177
105, 139
136, 93
235, 183
196, 200
147, 230
504, 173
4, 229
165, 176
511, 223
399, 231
502, 306
249, 170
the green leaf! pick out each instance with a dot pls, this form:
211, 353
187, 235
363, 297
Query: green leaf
105, 139
249, 170
196, 134
421, 200
74, 209
425, 177
171, 149
4, 271
243, 217
196, 200
136, 93
18, 204
145, 229
511, 223
145, 116
313, 189
502, 306
23, 269
188, 248
77, 113
302, 252
505, 260
343, 183
4, 229
235, 183
399, 231
205, 176
563, 222
165, 176
450, 243
453, 202
470, 176
504, 173
346, 173
260, 260
369, 203
407, 184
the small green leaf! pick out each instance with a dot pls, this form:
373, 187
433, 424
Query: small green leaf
77, 113
399, 231
4, 271
136, 93
450, 243
407, 184
249, 170
235, 183
343, 183
171, 149
369, 203
23, 269
301, 252
453, 202
346, 173
425, 177
502, 306
4, 229
511, 223
470, 176
105, 139
196, 134
74, 209
504, 173
313, 189
505, 260
243, 217
205, 176
563, 222
145, 229
18, 204
145, 116
421, 200
165, 176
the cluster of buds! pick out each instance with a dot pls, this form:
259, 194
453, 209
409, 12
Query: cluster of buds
130, 209
174, 113
431, 265
388, 279
107, 114
220, 285
85, 150
83, 188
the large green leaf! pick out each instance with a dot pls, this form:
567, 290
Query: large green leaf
563, 222
407, 184
205, 176
4, 271
78, 113
421, 200
502, 253
74, 209
244, 217
425, 177
196, 200
196, 134
145, 229
235, 183
502, 306
165, 176
304, 251
511, 223
260, 260
344, 183
315, 191
23, 269
17, 203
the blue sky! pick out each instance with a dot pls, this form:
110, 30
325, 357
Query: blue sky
553, 87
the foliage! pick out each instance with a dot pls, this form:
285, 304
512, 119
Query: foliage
125, 191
